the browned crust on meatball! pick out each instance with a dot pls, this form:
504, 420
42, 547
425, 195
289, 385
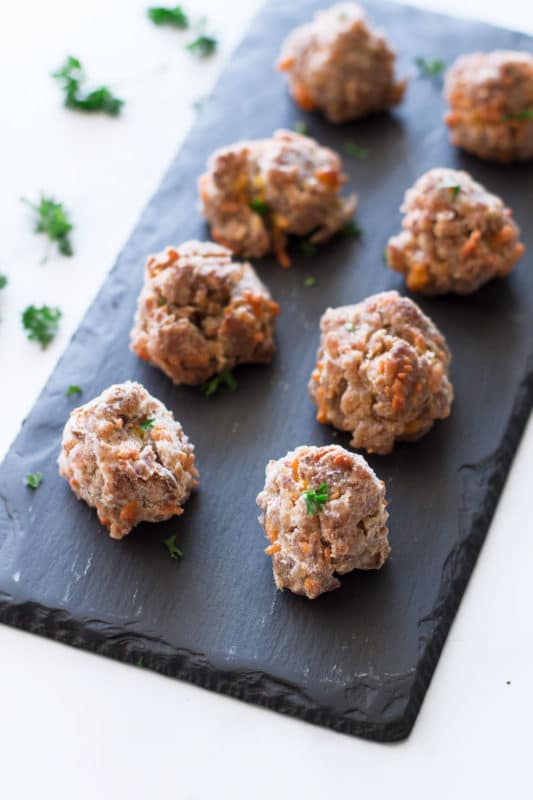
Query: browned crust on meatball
382, 372
491, 105
256, 194
309, 550
339, 65
199, 313
129, 475
456, 237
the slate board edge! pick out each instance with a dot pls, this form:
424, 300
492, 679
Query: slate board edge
257, 687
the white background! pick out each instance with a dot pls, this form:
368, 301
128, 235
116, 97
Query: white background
73, 725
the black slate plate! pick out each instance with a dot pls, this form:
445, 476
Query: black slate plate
360, 659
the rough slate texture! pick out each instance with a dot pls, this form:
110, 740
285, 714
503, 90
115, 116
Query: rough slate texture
360, 659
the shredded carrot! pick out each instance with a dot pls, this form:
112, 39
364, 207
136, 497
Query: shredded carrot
302, 97
471, 243
285, 63
129, 512
273, 548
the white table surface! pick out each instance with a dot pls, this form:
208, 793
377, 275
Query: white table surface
74, 725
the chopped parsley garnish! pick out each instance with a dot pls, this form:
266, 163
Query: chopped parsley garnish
310, 281
307, 247
73, 389
52, 219
355, 151
352, 229
385, 257
301, 127
203, 46
175, 17
41, 324
225, 378
33, 480
259, 206
316, 498
170, 544
140, 662
429, 68
72, 76
519, 116
147, 424
3, 281
455, 188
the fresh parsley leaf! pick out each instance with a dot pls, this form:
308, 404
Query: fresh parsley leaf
353, 230
175, 17
316, 498
52, 219
33, 480
73, 389
259, 206
147, 424
41, 323
385, 257
140, 662
72, 76
310, 281
353, 149
307, 247
170, 544
225, 378
3, 281
203, 46
519, 116
301, 127
455, 188
429, 68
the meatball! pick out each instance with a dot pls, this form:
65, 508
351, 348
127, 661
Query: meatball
125, 455
456, 237
324, 513
255, 194
337, 64
382, 372
199, 313
491, 105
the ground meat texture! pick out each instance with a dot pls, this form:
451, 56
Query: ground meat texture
257, 193
125, 455
491, 105
381, 373
310, 547
456, 237
339, 65
199, 313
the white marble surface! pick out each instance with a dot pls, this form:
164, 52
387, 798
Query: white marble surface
78, 726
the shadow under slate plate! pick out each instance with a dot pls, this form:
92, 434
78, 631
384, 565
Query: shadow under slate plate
358, 660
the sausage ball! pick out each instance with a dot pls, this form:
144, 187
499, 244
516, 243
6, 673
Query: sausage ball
199, 313
339, 65
125, 455
456, 235
381, 373
324, 513
491, 105
255, 194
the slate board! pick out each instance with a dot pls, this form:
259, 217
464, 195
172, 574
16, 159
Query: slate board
358, 660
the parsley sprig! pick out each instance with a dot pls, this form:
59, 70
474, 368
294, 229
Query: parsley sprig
429, 67
41, 324
353, 230
73, 389
147, 424
173, 549
310, 281
454, 187
519, 116
175, 17
259, 206
3, 281
33, 480
52, 219
315, 499
72, 75
225, 378
353, 150
301, 127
